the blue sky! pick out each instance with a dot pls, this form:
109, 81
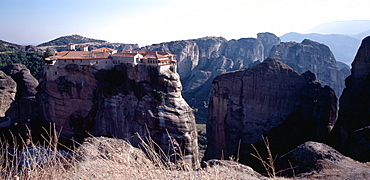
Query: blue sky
146, 22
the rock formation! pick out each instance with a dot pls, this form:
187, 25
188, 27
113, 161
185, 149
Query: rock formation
268, 99
200, 60
354, 110
121, 102
18, 103
312, 56
268, 40
313, 160
8, 89
25, 99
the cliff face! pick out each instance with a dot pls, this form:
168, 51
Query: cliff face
354, 110
268, 40
268, 99
200, 60
313, 56
119, 103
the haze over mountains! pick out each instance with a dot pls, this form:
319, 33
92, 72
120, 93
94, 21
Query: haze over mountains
343, 37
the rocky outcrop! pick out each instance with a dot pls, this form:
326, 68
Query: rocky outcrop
268, 99
122, 102
268, 40
312, 56
25, 99
8, 89
313, 160
354, 110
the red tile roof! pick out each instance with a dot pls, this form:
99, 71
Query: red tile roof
104, 49
125, 54
81, 55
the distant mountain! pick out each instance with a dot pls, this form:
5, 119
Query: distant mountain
343, 47
7, 47
76, 39
362, 35
59, 44
352, 27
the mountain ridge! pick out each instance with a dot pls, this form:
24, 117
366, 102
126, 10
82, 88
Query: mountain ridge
74, 38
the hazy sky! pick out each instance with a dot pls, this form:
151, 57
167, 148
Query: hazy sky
153, 21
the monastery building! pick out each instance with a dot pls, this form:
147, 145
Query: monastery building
106, 58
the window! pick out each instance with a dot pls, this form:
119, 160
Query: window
97, 62
56, 73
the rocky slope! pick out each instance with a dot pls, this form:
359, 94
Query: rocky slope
354, 110
119, 103
313, 56
268, 99
313, 160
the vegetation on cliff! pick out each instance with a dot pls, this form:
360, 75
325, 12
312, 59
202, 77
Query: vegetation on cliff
32, 60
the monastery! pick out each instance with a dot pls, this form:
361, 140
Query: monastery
106, 58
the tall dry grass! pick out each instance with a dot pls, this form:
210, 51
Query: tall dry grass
108, 158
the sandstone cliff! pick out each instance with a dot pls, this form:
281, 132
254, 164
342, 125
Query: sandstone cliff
354, 110
121, 102
312, 56
268, 99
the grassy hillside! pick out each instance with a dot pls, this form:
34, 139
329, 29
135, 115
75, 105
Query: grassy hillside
76, 39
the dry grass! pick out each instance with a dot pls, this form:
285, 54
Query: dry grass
108, 158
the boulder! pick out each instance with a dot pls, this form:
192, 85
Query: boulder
313, 160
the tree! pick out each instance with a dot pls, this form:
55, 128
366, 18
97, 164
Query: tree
47, 53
